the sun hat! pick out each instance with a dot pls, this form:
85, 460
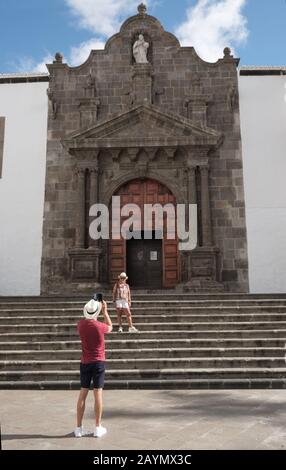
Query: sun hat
92, 309
123, 276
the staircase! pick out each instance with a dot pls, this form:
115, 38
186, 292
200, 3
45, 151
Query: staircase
185, 341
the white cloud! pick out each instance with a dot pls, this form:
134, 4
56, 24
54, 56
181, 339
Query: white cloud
29, 64
102, 17
80, 53
41, 66
213, 24
24, 64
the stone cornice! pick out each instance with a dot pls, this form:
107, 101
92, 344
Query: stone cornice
163, 130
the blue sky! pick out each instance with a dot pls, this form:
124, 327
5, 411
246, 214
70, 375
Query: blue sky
33, 30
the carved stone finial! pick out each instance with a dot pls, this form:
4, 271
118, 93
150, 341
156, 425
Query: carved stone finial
142, 9
58, 58
227, 52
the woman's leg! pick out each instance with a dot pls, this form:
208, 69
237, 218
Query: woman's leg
127, 312
119, 317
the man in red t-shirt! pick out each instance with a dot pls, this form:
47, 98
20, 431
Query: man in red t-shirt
92, 366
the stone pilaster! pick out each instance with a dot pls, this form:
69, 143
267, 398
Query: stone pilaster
192, 185
192, 199
142, 84
197, 110
80, 215
93, 196
88, 108
93, 186
205, 206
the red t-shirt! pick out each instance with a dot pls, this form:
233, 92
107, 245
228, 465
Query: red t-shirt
92, 340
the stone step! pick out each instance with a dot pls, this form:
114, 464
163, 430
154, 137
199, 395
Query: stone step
135, 343
139, 353
126, 375
185, 341
106, 290
78, 306
145, 318
151, 384
162, 326
148, 363
146, 294
162, 334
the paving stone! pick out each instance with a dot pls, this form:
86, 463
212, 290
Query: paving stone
181, 420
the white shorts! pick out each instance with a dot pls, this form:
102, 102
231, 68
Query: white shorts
122, 304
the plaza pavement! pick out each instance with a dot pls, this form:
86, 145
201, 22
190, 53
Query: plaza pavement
141, 419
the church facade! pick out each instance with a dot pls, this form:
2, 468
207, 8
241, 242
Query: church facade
149, 121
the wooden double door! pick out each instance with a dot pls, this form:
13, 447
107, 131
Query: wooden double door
149, 262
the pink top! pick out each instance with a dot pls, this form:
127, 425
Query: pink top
92, 340
122, 291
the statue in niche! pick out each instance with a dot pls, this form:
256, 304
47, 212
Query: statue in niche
90, 88
130, 98
140, 49
53, 102
232, 98
52, 98
196, 84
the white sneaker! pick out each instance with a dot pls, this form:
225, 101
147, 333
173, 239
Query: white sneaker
79, 432
120, 329
132, 329
99, 431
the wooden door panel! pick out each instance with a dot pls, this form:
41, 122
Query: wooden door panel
144, 269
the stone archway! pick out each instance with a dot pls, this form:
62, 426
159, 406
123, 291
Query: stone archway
153, 263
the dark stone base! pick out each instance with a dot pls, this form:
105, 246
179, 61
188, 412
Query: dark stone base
84, 265
203, 285
203, 263
202, 271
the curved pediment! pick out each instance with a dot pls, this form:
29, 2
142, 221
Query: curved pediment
144, 125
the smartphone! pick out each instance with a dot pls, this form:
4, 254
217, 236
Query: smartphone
98, 297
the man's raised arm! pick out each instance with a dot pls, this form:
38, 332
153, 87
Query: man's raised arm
106, 316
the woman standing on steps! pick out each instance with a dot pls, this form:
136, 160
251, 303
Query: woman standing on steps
122, 300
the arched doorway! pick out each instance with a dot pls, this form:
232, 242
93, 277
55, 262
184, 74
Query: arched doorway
151, 263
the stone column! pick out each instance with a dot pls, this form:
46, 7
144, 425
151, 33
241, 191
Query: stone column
93, 186
80, 216
192, 186
192, 199
93, 196
205, 206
